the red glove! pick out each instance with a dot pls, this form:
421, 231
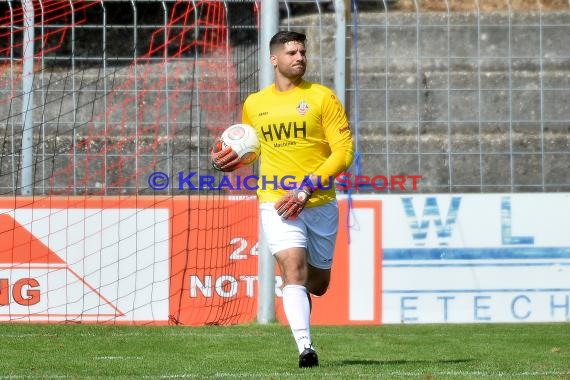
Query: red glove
224, 159
292, 203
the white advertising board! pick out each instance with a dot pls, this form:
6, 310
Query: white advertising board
470, 258
86, 264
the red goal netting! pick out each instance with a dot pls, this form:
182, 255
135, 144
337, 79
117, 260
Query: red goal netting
120, 91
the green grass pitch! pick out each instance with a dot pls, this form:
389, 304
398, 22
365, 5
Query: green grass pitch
489, 351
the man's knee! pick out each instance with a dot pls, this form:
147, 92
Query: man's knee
318, 280
318, 288
319, 291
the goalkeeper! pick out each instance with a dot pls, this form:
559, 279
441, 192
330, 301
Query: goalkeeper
304, 134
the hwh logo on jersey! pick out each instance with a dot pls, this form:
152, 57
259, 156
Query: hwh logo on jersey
274, 132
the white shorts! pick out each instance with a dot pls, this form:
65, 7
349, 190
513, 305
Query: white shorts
314, 229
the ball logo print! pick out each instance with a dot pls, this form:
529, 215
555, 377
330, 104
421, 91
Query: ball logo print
236, 132
242, 138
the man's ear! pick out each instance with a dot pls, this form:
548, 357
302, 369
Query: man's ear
273, 60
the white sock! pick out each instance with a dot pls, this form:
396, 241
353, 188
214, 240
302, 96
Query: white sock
298, 312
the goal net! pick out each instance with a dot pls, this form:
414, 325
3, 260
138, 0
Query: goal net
110, 210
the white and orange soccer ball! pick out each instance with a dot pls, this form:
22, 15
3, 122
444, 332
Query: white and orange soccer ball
244, 141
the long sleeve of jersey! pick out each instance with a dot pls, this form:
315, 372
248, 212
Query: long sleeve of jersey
337, 132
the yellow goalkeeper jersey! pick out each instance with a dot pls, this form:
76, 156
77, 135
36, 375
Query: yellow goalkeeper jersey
302, 131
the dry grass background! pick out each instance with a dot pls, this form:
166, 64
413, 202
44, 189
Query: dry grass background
482, 5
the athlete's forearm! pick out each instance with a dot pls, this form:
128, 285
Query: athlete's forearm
338, 161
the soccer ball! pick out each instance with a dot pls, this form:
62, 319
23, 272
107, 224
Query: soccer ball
243, 140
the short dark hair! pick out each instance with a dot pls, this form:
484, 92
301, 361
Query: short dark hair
284, 36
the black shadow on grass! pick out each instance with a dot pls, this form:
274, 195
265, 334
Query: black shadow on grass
392, 362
